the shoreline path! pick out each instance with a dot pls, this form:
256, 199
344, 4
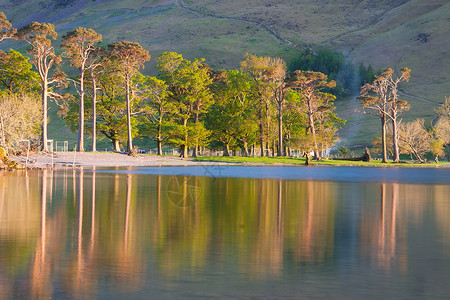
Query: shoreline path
103, 159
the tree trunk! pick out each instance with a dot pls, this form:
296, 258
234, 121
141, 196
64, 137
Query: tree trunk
383, 137
2, 133
226, 149
261, 132
130, 140
184, 151
81, 115
395, 140
307, 160
273, 149
94, 112
184, 148
280, 129
195, 154
245, 152
312, 129
44, 115
116, 145
159, 142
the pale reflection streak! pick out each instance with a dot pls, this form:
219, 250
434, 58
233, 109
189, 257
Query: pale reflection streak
40, 272
379, 229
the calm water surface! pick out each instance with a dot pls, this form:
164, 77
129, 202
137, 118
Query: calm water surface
226, 233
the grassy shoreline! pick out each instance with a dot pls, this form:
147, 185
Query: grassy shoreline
323, 162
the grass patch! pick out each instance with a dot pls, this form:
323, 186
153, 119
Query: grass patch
323, 162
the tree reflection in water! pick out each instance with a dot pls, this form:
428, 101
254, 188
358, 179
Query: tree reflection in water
128, 229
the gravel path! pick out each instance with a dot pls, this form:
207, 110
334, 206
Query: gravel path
101, 159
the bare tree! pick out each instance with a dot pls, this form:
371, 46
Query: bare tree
19, 117
414, 138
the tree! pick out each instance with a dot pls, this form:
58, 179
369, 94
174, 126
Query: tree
374, 97
80, 45
444, 110
278, 78
6, 30
155, 109
111, 107
19, 119
232, 118
396, 106
260, 70
309, 84
414, 138
16, 74
44, 58
96, 60
188, 83
129, 57
294, 119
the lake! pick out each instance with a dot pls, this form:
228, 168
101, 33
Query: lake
225, 233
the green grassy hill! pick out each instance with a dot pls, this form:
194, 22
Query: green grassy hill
383, 33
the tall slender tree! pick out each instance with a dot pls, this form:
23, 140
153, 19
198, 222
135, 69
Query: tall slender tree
381, 96
79, 45
96, 61
396, 105
374, 98
260, 71
278, 77
130, 57
310, 84
38, 35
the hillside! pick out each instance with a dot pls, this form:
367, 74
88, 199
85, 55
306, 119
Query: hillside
384, 33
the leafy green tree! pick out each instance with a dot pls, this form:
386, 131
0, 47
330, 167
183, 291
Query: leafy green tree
232, 119
129, 57
16, 74
80, 45
188, 83
260, 71
44, 59
294, 119
155, 109
111, 108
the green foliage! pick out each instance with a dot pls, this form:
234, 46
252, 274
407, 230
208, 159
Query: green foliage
343, 152
366, 75
329, 62
155, 108
232, 118
188, 83
16, 75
